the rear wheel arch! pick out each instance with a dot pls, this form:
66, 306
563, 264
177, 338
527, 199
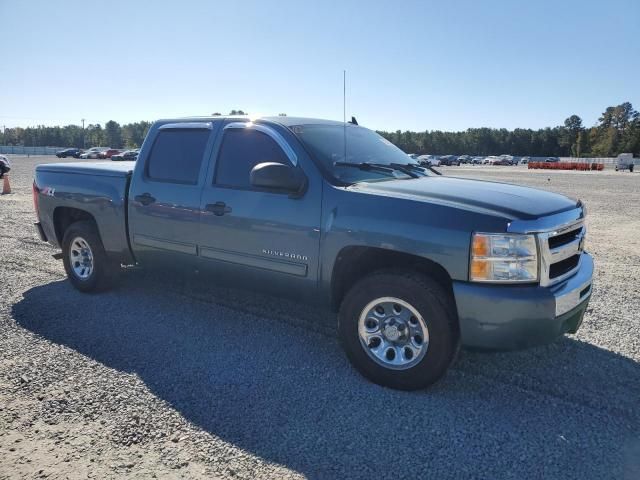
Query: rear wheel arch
63, 217
86, 263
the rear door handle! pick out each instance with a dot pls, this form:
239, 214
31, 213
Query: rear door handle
144, 199
218, 208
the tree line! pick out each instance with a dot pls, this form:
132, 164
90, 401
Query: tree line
617, 131
113, 134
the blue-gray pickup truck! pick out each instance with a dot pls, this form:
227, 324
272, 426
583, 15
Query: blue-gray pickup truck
415, 263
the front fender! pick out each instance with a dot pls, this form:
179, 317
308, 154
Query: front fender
439, 233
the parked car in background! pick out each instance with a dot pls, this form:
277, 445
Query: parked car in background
449, 160
508, 158
413, 155
108, 153
525, 160
69, 152
625, 161
477, 160
552, 159
502, 161
464, 159
491, 159
126, 155
428, 160
93, 152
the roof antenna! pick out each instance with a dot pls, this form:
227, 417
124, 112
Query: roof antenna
344, 110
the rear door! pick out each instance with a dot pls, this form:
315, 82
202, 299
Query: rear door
164, 198
256, 238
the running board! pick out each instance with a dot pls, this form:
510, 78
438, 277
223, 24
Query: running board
57, 256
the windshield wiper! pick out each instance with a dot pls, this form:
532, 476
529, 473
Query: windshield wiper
381, 167
408, 168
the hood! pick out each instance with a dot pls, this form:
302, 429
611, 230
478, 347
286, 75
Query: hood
504, 199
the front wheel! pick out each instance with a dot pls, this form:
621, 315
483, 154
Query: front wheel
399, 330
88, 267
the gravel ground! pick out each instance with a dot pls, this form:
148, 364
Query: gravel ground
166, 377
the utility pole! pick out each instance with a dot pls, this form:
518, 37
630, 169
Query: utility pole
84, 143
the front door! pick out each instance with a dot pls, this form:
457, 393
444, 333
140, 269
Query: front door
164, 199
256, 238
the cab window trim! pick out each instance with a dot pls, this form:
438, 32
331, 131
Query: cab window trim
262, 129
270, 132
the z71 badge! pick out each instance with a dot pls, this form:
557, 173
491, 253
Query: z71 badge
48, 191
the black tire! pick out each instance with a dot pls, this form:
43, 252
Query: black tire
105, 270
431, 301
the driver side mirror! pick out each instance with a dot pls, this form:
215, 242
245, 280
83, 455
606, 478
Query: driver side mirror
280, 177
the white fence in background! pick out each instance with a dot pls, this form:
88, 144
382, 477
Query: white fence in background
603, 160
20, 150
608, 162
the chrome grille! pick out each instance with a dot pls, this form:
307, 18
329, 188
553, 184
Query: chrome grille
560, 252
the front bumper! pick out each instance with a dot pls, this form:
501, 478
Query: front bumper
512, 317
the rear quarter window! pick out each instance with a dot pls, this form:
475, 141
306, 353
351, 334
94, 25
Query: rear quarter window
177, 155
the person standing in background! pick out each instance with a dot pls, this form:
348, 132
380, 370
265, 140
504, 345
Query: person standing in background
5, 166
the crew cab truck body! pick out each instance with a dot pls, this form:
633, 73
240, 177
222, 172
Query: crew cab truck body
415, 263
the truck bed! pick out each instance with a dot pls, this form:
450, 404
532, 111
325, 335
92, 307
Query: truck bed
96, 190
106, 168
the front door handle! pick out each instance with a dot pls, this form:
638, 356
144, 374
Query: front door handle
144, 199
218, 208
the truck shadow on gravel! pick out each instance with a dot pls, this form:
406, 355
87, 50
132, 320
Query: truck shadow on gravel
267, 376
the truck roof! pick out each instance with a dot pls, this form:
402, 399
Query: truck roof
285, 121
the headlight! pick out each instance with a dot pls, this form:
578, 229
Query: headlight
503, 258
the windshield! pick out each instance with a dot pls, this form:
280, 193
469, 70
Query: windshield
326, 143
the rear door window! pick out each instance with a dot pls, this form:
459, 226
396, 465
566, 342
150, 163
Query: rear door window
177, 155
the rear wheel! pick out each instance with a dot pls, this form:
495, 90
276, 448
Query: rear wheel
88, 267
398, 329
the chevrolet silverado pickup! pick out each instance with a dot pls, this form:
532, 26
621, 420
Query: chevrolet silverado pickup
415, 264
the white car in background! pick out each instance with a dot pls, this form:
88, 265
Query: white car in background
94, 152
431, 160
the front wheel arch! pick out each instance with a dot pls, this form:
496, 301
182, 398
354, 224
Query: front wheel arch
355, 262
